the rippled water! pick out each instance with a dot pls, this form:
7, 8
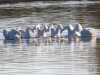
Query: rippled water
50, 56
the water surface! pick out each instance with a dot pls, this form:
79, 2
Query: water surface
50, 56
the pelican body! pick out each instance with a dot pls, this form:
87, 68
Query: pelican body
10, 34
86, 32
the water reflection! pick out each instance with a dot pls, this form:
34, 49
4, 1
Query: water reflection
89, 42
49, 56
89, 39
48, 41
12, 41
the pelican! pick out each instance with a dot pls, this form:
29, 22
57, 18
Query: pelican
40, 31
55, 32
48, 29
10, 34
72, 32
25, 34
86, 32
63, 33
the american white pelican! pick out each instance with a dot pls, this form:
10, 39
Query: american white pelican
10, 34
48, 29
40, 32
85, 32
88, 32
55, 32
63, 33
25, 34
72, 32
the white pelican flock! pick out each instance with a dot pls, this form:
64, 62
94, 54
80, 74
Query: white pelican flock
49, 31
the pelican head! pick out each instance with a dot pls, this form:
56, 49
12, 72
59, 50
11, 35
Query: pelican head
51, 26
70, 27
38, 26
46, 28
18, 28
60, 26
78, 27
29, 28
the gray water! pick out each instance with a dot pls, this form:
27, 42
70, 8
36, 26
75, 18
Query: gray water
50, 56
